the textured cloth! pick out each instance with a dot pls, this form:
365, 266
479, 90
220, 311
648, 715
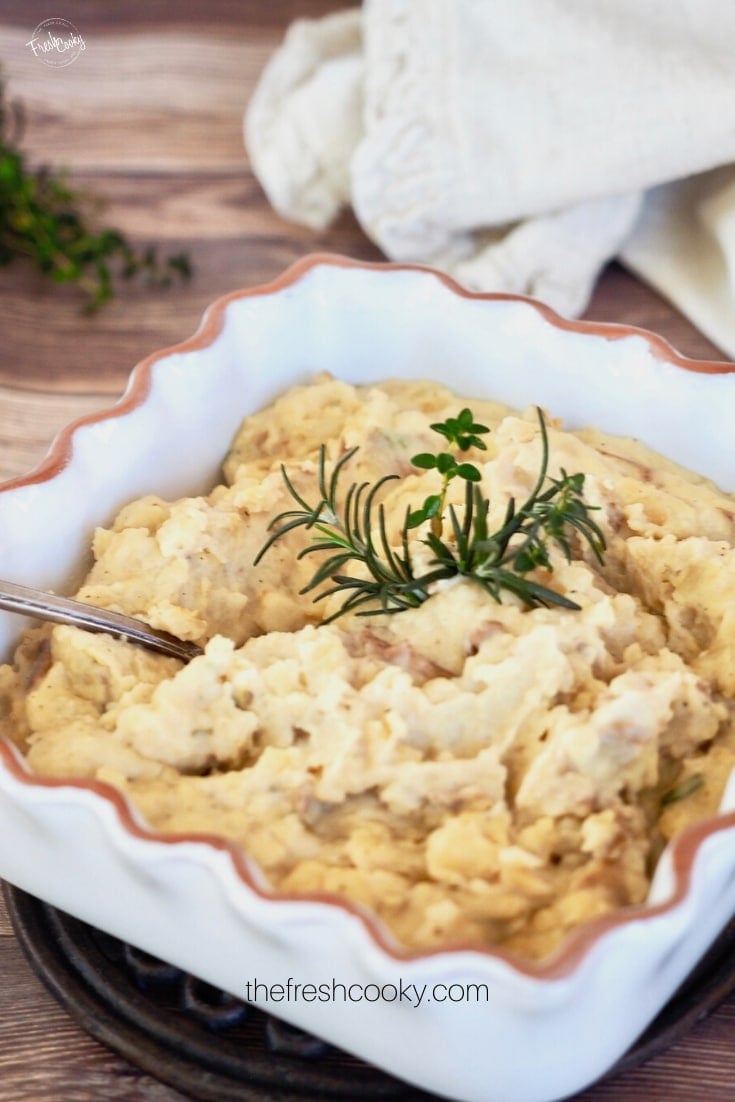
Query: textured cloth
517, 144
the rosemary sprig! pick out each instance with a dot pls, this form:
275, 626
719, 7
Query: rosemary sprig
497, 561
349, 538
44, 220
684, 788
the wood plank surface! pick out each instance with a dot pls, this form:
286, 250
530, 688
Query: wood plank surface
150, 118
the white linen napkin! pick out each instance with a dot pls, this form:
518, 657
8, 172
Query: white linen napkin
517, 144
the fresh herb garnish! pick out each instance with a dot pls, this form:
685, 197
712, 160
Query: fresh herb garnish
42, 218
464, 434
497, 561
350, 538
683, 789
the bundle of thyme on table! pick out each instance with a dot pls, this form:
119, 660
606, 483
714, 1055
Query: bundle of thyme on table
43, 219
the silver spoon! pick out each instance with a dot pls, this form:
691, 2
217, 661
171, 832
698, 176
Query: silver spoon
64, 610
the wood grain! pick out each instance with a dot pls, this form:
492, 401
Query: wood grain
162, 81
250, 16
50, 349
45, 1057
150, 117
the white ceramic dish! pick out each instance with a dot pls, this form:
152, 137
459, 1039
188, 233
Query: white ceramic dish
546, 1030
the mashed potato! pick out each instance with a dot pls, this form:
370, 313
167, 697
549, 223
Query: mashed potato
470, 771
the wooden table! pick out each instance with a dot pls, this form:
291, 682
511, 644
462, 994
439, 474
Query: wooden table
150, 116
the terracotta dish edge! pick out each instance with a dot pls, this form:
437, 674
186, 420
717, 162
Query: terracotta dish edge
579, 942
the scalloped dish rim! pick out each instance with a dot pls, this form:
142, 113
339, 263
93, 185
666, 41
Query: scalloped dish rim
580, 942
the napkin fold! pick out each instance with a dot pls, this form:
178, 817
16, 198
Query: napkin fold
517, 144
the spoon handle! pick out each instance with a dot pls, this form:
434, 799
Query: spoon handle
64, 610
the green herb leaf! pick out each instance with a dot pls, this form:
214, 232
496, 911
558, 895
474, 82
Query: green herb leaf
683, 789
46, 221
468, 471
462, 431
496, 561
425, 461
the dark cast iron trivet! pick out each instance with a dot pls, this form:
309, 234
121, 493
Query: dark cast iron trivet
216, 1048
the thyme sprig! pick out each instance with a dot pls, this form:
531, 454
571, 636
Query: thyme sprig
464, 433
503, 559
45, 220
500, 560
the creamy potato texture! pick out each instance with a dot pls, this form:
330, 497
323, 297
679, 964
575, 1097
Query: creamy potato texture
470, 771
